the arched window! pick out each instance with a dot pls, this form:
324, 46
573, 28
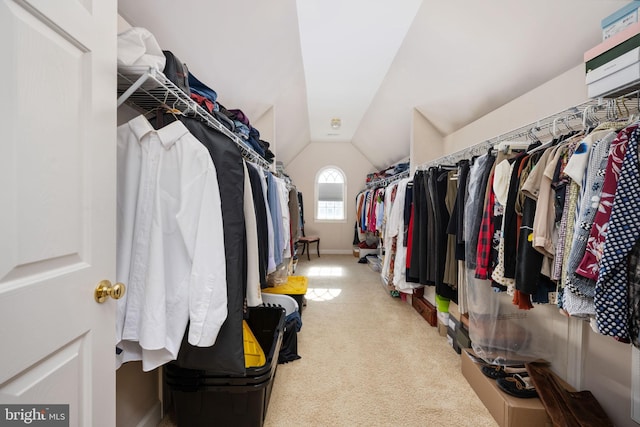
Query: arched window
330, 191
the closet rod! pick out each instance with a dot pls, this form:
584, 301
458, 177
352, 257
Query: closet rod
383, 182
146, 89
546, 123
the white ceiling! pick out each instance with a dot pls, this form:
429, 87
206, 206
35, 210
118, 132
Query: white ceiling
371, 62
347, 49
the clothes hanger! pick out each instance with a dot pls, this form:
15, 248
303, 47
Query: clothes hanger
160, 110
553, 131
151, 113
613, 120
572, 133
509, 147
532, 135
536, 144
172, 110
536, 140
590, 120
633, 118
630, 117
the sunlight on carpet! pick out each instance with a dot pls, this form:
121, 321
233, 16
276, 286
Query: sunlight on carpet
320, 294
329, 271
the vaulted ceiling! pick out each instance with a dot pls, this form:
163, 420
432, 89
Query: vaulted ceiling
370, 63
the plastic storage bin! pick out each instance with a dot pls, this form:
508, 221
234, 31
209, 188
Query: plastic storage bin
296, 288
253, 354
202, 399
284, 301
222, 406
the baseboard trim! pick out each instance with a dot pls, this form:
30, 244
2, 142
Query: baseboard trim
336, 252
153, 417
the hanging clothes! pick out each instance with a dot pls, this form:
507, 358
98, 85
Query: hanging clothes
456, 228
389, 236
474, 205
399, 222
502, 178
271, 261
634, 295
254, 296
171, 250
433, 244
561, 219
275, 208
486, 234
394, 266
451, 264
611, 297
529, 261
260, 207
579, 291
429, 239
227, 355
439, 189
294, 215
285, 221
590, 263
410, 233
456, 222
513, 217
418, 269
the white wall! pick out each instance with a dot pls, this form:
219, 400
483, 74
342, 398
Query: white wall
558, 94
335, 237
266, 124
426, 141
580, 356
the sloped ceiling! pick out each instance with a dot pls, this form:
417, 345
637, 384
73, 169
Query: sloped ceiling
370, 63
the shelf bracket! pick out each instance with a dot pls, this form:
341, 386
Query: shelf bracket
134, 87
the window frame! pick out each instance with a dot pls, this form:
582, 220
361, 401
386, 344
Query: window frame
317, 194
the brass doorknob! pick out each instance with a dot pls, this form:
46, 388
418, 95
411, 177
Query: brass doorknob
105, 289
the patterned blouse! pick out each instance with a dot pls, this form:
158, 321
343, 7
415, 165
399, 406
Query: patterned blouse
590, 264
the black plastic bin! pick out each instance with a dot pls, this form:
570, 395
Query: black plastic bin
237, 406
201, 398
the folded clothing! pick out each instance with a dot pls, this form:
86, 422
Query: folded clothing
137, 47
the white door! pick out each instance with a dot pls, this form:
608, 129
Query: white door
57, 206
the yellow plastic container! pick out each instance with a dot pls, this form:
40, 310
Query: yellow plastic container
296, 285
253, 354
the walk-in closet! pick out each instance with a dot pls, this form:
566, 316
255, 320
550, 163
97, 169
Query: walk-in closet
320, 213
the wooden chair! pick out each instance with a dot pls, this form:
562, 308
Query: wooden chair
306, 240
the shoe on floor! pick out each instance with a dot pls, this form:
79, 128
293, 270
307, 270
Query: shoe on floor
499, 371
518, 385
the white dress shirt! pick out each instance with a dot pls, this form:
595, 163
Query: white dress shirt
170, 243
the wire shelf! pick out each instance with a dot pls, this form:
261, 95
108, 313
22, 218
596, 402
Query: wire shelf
383, 182
146, 89
612, 108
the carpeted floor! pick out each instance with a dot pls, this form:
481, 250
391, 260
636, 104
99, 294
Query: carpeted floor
367, 359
